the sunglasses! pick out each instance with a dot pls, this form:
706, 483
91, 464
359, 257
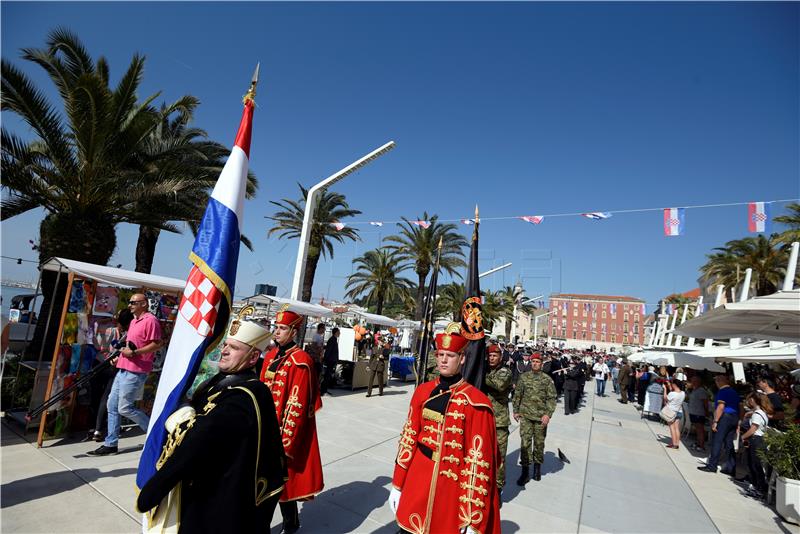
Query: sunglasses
136, 301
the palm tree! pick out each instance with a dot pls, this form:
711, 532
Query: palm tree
792, 221
511, 303
184, 157
450, 299
331, 208
765, 255
416, 246
377, 278
495, 307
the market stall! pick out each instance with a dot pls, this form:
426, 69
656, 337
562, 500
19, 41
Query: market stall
94, 294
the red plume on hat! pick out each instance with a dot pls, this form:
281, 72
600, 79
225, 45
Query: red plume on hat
451, 339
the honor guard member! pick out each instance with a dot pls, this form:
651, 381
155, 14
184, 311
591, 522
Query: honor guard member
534, 404
289, 374
445, 471
498, 385
222, 468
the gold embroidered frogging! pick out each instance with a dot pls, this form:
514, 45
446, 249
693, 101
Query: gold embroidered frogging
290, 415
407, 440
476, 483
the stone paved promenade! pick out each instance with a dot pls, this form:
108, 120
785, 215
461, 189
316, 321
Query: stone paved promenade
620, 478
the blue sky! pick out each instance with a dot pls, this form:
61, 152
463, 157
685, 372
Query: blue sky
523, 108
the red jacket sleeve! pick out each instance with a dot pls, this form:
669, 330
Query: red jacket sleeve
408, 439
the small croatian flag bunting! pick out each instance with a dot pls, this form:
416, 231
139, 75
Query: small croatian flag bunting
424, 224
613, 309
533, 219
674, 221
376, 223
597, 215
339, 226
758, 217
644, 309
467, 221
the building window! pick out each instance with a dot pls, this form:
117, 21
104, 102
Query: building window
604, 314
584, 324
584, 311
624, 338
625, 317
574, 311
603, 338
625, 328
563, 333
613, 326
636, 329
604, 305
584, 335
636, 318
613, 338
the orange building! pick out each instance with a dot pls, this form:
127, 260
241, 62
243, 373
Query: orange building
602, 320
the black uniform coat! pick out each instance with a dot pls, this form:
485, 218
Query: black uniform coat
223, 488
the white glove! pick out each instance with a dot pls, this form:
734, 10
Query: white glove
470, 530
180, 415
394, 499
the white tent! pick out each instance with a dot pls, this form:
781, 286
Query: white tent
681, 359
297, 306
373, 318
774, 317
114, 276
757, 352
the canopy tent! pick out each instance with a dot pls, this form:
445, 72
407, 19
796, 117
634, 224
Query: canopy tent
636, 358
376, 319
774, 317
408, 323
681, 359
297, 306
758, 352
115, 277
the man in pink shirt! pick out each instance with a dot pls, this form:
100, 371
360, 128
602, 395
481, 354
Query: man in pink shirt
134, 364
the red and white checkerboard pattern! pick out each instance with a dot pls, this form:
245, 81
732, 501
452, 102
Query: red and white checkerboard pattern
759, 217
200, 302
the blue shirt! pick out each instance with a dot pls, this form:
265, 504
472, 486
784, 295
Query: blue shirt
730, 398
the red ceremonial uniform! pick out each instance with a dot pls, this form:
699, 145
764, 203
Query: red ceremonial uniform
290, 376
447, 462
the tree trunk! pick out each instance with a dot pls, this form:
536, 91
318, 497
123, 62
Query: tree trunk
508, 328
146, 248
420, 296
308, 277
379, 306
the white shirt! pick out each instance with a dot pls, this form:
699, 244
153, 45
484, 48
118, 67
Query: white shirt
759, 418
675, 400
600, 371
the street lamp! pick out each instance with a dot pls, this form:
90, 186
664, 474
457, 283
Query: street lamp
531, 299
536, 323
308, 216
492, 271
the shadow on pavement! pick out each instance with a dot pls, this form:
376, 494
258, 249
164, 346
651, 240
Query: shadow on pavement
122, 450
508, 527
33, 488
359, 497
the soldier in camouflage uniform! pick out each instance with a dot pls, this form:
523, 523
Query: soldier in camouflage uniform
534, 404
498, 385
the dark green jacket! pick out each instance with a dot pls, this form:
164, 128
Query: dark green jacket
498, 384
535, 396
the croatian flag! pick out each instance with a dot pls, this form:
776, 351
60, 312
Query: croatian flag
597, 215
758, 217
533, 219
205, 306
376, 223
339, 226
673, 221
467, 221
424, 224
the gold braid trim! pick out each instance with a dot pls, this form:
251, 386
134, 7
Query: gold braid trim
432, 415
449, 474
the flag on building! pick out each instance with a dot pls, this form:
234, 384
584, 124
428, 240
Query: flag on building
424, 224
674, 221
758, 220
339, 226
597, 215
586, 307
644, 309
204, 309
613, 309
376, 223
533, 219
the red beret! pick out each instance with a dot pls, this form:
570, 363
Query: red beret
536, 356
288, 318
492, 348
452, 342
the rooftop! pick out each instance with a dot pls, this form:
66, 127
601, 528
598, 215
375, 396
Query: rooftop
609, 298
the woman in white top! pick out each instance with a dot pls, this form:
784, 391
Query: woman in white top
760, 408
673, 396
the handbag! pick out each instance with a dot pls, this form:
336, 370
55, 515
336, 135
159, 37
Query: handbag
667, 414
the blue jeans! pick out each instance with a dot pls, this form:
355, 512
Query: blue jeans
127, 389
601, 386
723, 440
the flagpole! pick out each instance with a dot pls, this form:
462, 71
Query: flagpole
428, 318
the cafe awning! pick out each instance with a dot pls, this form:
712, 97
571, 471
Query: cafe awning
115, 277
297, 306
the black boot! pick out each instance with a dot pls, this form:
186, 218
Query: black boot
500, 496
291, 517
537, 471
524, 476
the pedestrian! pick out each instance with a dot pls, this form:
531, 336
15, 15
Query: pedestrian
624, 377
642, 381
523, 365
377, 367
777, 415
133, 365
317, 348
673, 398
498, 386
108, 343
289, 374
724, 424
615, 378
572, 388
534, 404
330, 361
698, 412
760, 407
445, 470
223, 455
600, 370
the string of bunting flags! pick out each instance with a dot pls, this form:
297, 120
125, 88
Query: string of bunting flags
674, 219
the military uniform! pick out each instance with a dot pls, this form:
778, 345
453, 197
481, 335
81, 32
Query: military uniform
534, 397
377, 366
498, 385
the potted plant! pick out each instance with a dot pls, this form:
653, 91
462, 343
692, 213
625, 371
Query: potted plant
782, 452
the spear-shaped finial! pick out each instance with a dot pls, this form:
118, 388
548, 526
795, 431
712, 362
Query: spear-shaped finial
477, 218
251, 93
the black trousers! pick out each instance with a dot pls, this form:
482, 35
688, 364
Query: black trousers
757, 477
570, 401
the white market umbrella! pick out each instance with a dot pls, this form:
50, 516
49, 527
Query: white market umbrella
686, 360
758, 352
774, 317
